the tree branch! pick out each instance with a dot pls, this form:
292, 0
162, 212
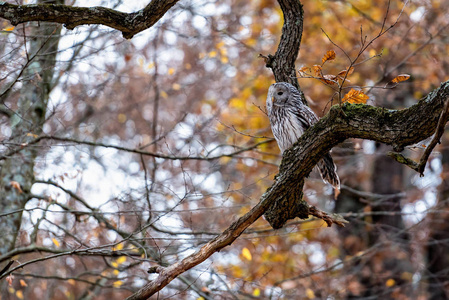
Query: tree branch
398, 128
128, 23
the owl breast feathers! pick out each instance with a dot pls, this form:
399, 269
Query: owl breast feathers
289, 118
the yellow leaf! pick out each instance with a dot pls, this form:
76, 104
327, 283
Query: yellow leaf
176, 86
121, 259
213, 53
121, 118
200, 298
118, 247
256, 292
220, 44
19, 294
310, 294
164, 94
72, 281
32, 135
150, 65
10, 28
246, 254
23, 283
400, 78
171, 71
116, 272
224, 60
140, 61
16, 186
117, 283
355, 96
114, 264
55, 241
236, 103
188, 66
330, 55
390, 282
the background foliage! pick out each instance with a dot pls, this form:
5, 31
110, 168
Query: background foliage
191, 91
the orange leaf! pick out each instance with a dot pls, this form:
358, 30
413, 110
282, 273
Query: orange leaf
318, 70
400, 78
355, 96
10, 28
16, 186
330, 55
305, 70
343, 72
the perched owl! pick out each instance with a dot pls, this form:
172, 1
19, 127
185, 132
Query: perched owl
289, 118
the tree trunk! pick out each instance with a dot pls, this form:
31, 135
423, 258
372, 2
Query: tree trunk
17, 172
438, 244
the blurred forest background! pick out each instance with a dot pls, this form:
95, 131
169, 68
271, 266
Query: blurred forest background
118, 155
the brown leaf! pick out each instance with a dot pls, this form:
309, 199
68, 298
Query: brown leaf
330, 55
318, 70
305, 70
329, 79
16, 186
343, 72
355, 96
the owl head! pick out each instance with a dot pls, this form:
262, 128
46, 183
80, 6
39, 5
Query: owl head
282, 95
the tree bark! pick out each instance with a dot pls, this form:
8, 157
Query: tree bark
17, 172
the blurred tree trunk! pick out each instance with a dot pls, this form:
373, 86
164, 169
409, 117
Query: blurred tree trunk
438, 243
17, 172
380, 272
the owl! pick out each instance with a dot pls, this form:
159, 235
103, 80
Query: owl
289, 118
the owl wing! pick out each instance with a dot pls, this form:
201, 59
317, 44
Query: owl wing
305, 116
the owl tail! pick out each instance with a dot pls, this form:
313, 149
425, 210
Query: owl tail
328, 171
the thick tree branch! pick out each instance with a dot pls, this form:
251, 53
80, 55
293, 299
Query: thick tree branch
128, 23
398, 128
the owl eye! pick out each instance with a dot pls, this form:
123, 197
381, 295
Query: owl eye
280, 93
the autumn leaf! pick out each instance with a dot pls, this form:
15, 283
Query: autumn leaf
23, 283
355, 96
329, 79
121, 259
55, 241
304, 70
390, 282
16, 186
343, 72
256, 292
246, 254
171, 71
10, 28
9, 279
19, 294
310, 294
117, 283
400, 78
318, 70
330, 55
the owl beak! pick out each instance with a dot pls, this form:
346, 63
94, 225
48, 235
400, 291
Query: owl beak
273, 100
